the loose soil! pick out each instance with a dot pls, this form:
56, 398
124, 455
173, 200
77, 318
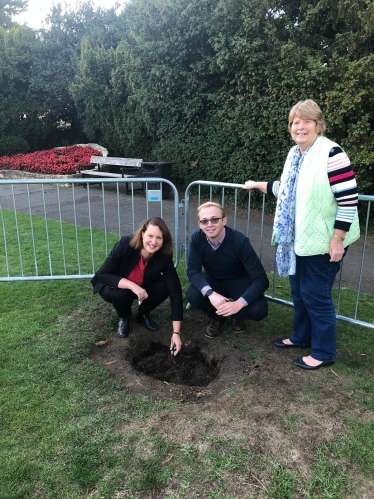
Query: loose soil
190, 367
202, 369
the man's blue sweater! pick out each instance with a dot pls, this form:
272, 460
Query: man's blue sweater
234, 259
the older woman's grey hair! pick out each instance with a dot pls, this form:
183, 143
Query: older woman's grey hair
308, 110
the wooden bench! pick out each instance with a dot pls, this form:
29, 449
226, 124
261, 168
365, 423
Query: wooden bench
122, 164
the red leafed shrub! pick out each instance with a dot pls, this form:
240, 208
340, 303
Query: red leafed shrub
61, 161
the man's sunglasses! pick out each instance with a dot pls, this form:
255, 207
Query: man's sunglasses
213, 221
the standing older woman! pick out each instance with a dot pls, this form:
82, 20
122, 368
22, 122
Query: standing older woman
140, 267
315, 221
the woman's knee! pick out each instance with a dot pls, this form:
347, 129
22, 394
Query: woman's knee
107, 293
158, 290
119, 298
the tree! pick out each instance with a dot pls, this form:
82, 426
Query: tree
330, 53
20, 126
9, 8
56, 58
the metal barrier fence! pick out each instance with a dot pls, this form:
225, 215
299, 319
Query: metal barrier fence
355, 282
49, 231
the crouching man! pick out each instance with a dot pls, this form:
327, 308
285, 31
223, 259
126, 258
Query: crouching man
226, 275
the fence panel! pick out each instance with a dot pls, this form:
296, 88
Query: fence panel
51, 229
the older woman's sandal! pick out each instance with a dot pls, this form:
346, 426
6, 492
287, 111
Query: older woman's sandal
279, 343
300, 363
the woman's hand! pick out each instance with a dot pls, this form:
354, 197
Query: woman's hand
175, 344
250, 184
336, 249
140, 292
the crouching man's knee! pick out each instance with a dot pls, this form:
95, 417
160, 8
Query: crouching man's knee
259, 309
194, 297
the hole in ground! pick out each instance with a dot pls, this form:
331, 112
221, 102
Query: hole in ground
190, 367
231, 356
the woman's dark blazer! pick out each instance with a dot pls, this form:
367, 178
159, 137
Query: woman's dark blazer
121, 261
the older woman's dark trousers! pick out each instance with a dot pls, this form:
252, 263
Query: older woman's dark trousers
122, 299
314, 322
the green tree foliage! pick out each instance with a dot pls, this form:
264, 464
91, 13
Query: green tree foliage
20, 126
349, 100
93, 93
332, 44
215, 80
56, 58
102, 99
205, 74
9, 8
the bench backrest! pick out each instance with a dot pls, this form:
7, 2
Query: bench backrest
107, 160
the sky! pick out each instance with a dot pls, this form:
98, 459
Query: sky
38, 10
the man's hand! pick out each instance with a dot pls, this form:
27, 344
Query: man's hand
217, 300
230, 308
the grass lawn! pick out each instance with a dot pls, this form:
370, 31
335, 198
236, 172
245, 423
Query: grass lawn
68, 430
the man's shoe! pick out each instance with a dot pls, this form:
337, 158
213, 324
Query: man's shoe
237, 326
214, 328
124, 327
300, 363
148, 322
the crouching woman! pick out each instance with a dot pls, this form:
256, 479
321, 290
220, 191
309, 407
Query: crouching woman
140, 267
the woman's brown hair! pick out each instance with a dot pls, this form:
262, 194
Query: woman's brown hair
167, 243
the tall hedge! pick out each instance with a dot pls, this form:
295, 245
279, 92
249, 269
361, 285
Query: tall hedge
208, 84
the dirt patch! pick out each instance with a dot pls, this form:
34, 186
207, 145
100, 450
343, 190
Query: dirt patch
203, 369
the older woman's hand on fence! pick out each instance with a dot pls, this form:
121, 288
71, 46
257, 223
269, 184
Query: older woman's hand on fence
249, 185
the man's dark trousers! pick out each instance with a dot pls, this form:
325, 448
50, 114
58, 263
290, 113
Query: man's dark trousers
230, 288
